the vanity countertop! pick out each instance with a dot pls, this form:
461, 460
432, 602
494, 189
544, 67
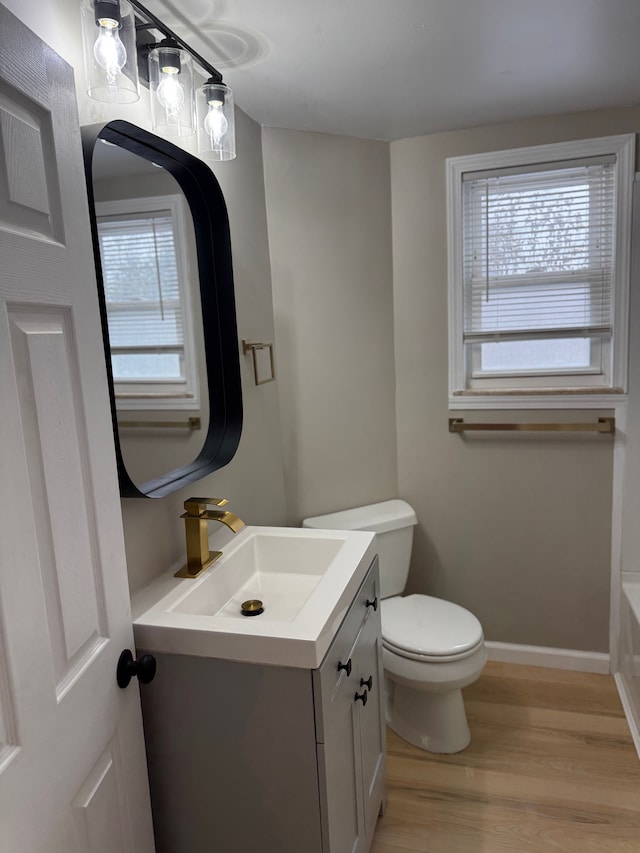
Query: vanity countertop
306, 578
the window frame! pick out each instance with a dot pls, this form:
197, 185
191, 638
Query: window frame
170, 395
500, 392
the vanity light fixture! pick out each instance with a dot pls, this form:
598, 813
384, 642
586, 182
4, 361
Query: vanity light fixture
124, 42
108, 50
109, 47
216, 131
171, 86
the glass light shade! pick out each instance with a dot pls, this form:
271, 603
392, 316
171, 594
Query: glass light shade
109, 47
171, 85
216, 126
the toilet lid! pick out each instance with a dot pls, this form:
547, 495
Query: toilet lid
420, 624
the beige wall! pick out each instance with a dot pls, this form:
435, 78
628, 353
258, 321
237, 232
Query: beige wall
328, 208
253, 481
516, 529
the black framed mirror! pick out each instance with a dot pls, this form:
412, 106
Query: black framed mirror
209, 433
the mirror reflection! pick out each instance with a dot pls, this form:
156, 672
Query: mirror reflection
151, 287
165, 281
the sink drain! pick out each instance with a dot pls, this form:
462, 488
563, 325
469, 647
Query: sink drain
253, 607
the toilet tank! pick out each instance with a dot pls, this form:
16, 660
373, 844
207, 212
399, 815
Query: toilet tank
393, 522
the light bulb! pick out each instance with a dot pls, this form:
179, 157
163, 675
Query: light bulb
215, 124
170, 93
109, 52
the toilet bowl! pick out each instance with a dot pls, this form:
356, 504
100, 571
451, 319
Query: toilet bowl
431, 648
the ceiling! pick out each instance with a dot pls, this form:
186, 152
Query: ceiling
390, 69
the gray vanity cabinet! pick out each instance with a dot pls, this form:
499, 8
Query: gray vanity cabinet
350, 726
245, 757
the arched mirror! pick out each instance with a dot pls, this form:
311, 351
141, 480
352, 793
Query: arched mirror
163, 263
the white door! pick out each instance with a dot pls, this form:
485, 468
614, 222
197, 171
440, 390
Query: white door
72, 764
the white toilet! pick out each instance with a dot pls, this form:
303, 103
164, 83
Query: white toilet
431, 648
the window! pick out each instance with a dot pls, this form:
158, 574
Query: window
538, 274
145, 272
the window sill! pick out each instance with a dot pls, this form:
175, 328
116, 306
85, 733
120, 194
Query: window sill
564, 398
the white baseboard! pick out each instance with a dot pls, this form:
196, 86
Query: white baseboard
553, 658
629, 712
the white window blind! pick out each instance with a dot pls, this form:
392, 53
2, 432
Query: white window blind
142, 292
539, 252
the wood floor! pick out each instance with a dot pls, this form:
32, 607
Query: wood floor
551, 767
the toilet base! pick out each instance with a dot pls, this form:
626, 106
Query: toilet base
435, 722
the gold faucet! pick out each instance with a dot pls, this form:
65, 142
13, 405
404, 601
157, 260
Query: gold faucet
196, 517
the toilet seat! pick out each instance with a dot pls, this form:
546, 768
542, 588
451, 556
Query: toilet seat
423, 628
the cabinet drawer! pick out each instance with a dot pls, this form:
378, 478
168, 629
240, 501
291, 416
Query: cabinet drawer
328, 678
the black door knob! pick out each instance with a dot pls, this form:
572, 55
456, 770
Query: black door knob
373, 603
144, 669
368, 683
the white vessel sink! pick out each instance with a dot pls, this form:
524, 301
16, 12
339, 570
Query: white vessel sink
306, 580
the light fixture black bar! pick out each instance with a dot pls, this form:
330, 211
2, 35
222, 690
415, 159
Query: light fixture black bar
157, 23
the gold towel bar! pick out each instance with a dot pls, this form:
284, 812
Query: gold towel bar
191, 423
603, 425
253, 347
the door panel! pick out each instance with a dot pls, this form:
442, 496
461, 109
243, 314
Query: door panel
372, 726
72, 763
339, 766
30, 197
99, 804
55, 441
